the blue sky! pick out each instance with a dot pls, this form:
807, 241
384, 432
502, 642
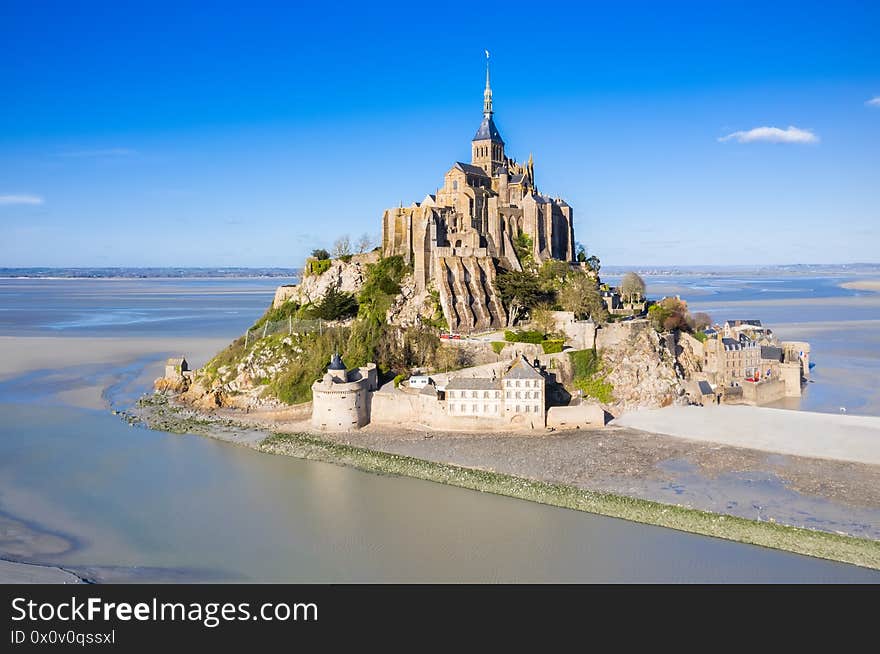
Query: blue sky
246, 135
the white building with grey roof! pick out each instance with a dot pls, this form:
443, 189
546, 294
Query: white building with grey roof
517, 397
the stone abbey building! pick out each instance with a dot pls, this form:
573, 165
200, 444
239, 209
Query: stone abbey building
456, 239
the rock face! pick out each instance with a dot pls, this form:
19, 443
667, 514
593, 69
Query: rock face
343, 276
411, 306
642, 367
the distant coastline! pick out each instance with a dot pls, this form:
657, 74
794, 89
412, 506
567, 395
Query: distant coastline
149, 273
239, 272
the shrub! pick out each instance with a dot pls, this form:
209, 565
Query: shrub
317, 267
497, 346
584, 363
535, 337
397, 379
596, 388
552, 345
589, 377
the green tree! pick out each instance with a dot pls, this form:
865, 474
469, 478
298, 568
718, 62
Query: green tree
523, 245
335, 305
580, 295
669, 314
553, 274
632, 287
581, 253
320, 254
519, 291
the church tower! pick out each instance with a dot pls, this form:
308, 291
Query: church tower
487, 148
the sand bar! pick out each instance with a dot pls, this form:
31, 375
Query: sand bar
863, 285
801, 433
20, 354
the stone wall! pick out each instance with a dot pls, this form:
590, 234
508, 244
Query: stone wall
763, 392
571, 417
580, 334
791, 376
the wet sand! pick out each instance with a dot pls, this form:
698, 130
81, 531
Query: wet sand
835, 496
20, 355
863, 285
25, 573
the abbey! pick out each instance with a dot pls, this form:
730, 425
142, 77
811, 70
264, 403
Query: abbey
457, 239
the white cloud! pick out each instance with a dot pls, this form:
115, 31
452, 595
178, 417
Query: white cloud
108, 152
772, 135
20, 199
874, 102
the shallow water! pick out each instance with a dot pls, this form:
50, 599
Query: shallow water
137, 504
132, 504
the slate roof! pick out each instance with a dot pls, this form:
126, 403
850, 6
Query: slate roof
522, 369
705, 388
470, 169
336, 362
488, 131
516, 179
473, 384
771, 352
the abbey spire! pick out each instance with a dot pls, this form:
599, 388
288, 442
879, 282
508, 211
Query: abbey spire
487, 94
487, 147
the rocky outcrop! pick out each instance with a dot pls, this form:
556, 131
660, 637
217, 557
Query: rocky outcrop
343, 276
641, 365
411, 306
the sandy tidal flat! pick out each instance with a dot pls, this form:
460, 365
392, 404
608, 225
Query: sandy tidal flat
863, 285
21, 354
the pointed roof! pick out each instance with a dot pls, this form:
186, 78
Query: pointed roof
522, 369
336, 362
488, 131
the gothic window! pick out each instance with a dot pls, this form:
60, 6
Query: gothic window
474, 407
485, 395
463, 408
455, 185
473, 393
